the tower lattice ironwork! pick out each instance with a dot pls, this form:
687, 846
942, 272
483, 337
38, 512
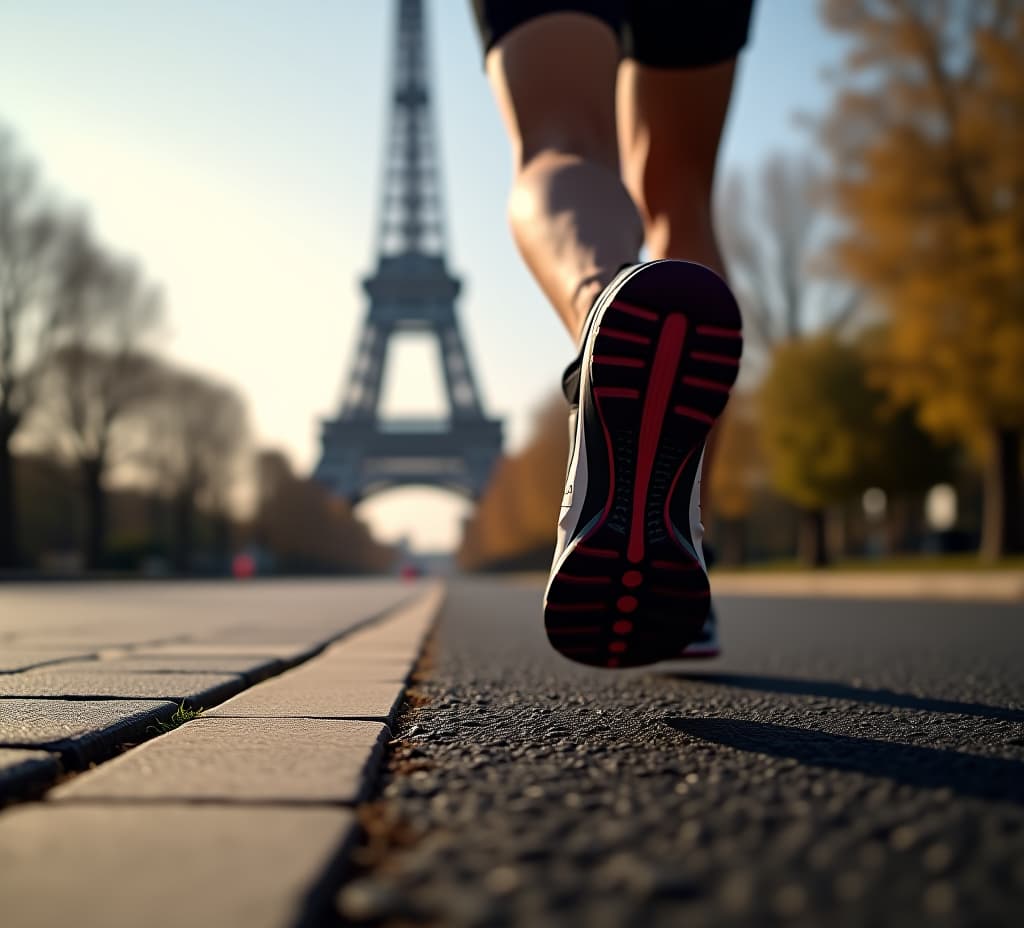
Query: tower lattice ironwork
411, 290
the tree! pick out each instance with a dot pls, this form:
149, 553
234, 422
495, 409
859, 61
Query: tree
926, 134
305, 529
97, 376
515, 518
818, 418
738, 469
28, 232
87, 400
829, 433
196, 436
772, 236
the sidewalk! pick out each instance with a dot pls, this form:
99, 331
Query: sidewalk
985, 585
239, 817
934, 585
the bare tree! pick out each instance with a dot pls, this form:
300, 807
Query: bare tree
28, 232
88, 398
197, 443
773, 234
97, 376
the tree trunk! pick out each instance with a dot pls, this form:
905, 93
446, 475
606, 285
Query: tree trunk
222, 542
95, 513
733, 545
905, 523
183, 522
836, 533
897, 517
1002, 532
812, 550
8, 512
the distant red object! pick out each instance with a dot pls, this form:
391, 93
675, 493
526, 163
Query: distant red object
243, 566
410, 572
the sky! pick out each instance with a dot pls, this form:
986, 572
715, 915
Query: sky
232, 149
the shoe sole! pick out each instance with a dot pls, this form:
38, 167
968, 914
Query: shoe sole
698, 653
632, 588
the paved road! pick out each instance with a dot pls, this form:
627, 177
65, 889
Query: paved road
846, 763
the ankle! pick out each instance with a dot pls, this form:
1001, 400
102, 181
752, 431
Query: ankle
587, 290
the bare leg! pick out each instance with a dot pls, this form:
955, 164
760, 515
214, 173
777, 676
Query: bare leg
572, 219
670, 124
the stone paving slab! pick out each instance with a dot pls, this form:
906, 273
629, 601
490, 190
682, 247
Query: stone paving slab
355, 669
385, 652
359, 677
21, 770
196, 689
243, 760
90, 643
205, 825
14, 659
201, 866
286, 652
82, 731
405, 630
314, 696
253, 669
290, 633
303, 613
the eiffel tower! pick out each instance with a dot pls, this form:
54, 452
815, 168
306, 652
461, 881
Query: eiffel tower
411, 290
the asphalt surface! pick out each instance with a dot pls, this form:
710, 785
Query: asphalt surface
845, 763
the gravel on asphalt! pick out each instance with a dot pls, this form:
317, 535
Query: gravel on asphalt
860, 762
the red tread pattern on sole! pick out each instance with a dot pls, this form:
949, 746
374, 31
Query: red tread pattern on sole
718, 331
659, 390
692, 413
715, 358
632, 310
703, 384
616, 393
570, 578
624, 336
596, 552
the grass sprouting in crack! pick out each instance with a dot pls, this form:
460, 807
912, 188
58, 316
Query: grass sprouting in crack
181, 715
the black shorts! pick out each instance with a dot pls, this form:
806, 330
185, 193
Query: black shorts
656, 33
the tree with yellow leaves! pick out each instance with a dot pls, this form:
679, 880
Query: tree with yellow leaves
927, 133
737, 473
819, 431
828, 434
514, 520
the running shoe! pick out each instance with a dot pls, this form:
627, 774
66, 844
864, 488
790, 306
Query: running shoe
706, 645
660, 352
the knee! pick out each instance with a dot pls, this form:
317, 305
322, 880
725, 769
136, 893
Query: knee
551, 182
